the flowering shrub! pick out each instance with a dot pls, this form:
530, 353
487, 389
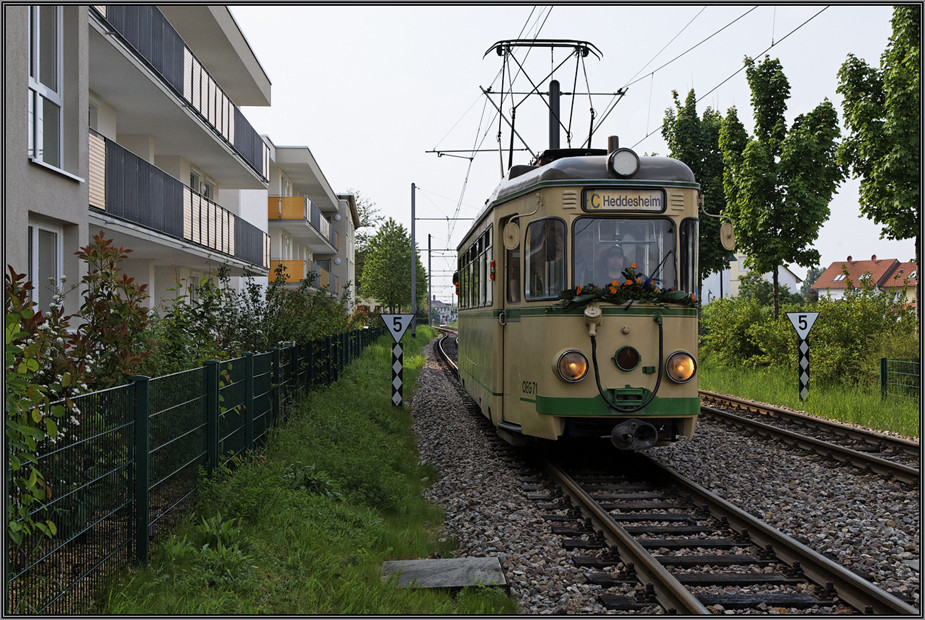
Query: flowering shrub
631, 289
111, 339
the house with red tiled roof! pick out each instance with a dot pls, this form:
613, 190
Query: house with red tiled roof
886, 274
902, 282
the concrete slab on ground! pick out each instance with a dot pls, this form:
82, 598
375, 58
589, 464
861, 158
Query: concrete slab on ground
446, 572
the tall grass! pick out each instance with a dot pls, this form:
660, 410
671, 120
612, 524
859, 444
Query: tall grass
304, 526
858, 405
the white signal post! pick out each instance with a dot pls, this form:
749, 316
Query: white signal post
803, 322
397, 324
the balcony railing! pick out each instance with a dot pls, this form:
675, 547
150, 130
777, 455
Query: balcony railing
295, 271
129, 188
302, 209
145, 29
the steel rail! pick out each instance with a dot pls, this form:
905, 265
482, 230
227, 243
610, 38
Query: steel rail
676, 598
804, 417
851, 589
442, 352
904, 473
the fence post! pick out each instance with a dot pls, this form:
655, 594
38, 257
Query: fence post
276, 384
296, 365
882, 378
142, 467
249, 400
210, 368
310, 380
329, 366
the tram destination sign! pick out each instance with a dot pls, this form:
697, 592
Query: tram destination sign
649, 200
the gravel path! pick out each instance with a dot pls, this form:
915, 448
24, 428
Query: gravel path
865, 522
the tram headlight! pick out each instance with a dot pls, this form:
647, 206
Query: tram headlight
681, 366
572, 366
623, 162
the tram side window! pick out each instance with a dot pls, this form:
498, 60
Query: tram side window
690, 247
476, 280
489, 256
461, 269
481, 268
545, 254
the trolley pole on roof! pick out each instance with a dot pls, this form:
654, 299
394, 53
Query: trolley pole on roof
414, 303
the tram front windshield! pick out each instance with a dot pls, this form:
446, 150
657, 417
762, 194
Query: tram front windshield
603, 248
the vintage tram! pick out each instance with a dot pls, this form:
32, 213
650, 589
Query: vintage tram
576, 317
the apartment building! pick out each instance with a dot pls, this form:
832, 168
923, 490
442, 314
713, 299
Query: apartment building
311, 227
126, 120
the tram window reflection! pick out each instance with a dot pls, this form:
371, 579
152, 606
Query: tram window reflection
512, 262
648, 243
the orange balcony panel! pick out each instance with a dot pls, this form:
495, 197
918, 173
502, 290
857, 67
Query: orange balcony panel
294, 270
286, 208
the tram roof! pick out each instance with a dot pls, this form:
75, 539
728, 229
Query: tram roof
588, 169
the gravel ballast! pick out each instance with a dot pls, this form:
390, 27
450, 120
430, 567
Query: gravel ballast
863, 521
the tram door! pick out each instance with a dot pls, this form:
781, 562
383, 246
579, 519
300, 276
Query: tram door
513, 337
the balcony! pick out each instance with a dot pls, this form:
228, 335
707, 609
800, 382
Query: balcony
145, 34
302, 219
126, 187
295, 271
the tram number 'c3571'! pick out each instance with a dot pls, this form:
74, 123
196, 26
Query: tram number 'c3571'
529, 388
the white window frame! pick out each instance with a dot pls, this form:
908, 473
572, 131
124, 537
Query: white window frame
202, 185
39, 91
34, 231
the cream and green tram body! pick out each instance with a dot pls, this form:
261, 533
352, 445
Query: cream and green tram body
542, 368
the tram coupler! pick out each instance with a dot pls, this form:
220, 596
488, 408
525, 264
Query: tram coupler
633, 434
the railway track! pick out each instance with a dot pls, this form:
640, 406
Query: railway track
884, 454
693, 552
700, 556
446, 348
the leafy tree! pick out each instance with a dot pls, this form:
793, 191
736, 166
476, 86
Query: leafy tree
370, 218
778, 183
695, 141
388, 268
882, 116
753, 286
811, 276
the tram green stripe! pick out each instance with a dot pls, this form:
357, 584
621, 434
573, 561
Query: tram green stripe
548, 405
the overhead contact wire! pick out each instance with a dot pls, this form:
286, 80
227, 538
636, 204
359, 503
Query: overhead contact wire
742, 68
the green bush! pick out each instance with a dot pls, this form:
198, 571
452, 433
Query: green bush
846, 341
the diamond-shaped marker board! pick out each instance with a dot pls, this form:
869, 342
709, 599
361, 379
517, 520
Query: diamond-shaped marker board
397, 324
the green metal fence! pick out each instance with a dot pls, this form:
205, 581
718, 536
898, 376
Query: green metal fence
126, 464
899, 378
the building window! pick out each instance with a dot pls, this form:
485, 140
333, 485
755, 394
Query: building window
45, 250
200, 184
45, 84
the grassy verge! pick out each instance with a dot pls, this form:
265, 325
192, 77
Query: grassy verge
780, 387
303, 527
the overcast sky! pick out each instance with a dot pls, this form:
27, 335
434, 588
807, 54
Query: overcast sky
369, 90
